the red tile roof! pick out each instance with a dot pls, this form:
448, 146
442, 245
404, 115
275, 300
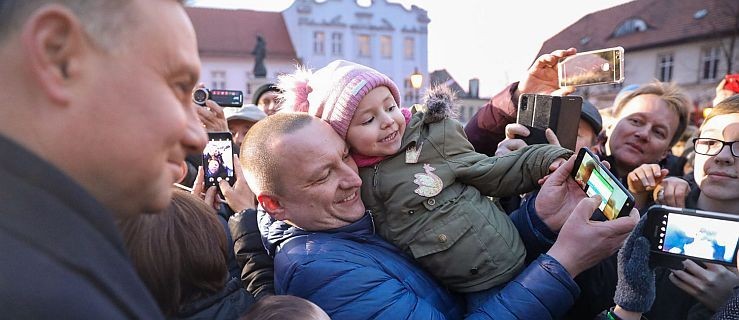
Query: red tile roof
668, 22
230, 33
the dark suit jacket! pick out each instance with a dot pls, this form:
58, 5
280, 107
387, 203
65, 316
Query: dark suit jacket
62, 256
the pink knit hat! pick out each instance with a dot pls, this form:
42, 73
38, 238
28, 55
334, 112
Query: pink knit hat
333, 92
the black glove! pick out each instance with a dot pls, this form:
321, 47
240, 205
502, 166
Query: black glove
635, 289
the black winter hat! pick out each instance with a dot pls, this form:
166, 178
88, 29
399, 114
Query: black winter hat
262, 89
590, 114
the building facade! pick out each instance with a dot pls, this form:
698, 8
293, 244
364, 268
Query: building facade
226, 40
688, 42
385, 36
469, 102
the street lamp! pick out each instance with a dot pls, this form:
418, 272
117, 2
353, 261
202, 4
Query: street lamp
416, 82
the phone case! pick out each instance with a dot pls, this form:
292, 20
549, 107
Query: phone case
605, 66
538, 112
676, 234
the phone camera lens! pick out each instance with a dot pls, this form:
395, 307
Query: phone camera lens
199, 96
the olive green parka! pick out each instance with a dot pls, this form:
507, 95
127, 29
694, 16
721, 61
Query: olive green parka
434, 205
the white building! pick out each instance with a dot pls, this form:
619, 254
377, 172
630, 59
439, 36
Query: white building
385, 36
226, 39
686, 42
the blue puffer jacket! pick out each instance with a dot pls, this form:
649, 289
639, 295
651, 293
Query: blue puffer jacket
352, 273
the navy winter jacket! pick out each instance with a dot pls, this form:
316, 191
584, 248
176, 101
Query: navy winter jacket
352, 273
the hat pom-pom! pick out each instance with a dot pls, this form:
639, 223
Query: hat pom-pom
302, 90
295, 89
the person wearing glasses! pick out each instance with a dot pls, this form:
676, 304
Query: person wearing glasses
713, 186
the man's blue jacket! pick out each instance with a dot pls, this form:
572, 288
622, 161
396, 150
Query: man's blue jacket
352, 273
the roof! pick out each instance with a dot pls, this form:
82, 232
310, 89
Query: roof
233, 33
443, 77
668, 22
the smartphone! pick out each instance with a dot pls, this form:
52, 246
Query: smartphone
676, 234
732, 82
592, 67
594, 178
218, 157
538, 112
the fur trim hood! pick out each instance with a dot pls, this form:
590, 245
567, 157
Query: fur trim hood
439, 103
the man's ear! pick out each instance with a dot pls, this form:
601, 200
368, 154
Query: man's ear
52, 40
272, 205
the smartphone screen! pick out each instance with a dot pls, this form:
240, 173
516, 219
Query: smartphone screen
594, 178
680, 233
592, 67
218, 158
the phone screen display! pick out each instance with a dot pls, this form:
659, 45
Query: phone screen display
594, 179
698, 237
218, 159
593, 67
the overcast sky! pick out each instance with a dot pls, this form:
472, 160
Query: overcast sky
495, 41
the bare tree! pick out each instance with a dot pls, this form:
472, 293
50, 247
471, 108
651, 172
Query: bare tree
728, 8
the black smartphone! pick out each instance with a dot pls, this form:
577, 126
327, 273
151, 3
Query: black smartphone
218, 159
537, 112
677, 234
594, 178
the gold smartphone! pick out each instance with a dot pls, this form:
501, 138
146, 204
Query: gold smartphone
603, 66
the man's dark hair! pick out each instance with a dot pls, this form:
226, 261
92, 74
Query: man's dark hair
180, 253
257, 150
102, 19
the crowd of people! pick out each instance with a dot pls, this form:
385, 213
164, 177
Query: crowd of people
346, 204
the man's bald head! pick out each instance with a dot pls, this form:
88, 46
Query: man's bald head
258, 155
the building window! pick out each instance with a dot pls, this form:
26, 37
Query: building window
218, 79
318, 40
630, 26
409, 46
386, 46
665, 68
363, 43
709, 63
337, 46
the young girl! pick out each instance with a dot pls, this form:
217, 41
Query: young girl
425, 185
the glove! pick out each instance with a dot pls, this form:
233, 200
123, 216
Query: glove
635, 290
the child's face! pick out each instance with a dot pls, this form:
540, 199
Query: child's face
377, 126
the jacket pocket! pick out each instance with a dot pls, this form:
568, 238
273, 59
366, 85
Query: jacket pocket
452, 253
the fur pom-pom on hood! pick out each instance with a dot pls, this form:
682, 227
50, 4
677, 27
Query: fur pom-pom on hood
439, 103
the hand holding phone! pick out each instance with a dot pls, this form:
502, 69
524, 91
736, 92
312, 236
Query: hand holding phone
594, 178
593, 67
676, 234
